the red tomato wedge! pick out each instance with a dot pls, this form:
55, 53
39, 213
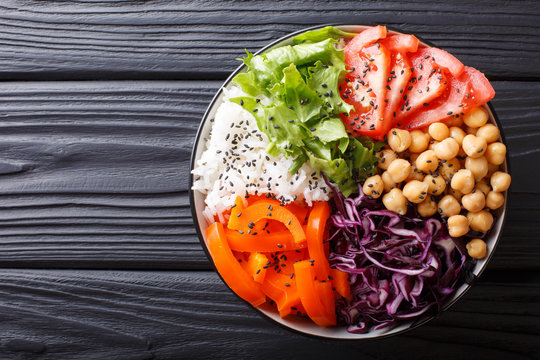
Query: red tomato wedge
366, 37
427, 83
365, 89
230, 269
469, 90
400, 73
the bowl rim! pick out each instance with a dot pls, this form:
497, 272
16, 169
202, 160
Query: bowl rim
414, 323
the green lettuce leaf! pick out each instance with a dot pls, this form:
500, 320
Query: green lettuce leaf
302, 120
328, 32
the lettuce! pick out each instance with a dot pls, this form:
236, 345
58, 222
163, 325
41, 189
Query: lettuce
303, 120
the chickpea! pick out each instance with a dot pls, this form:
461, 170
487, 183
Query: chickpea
476, 117
447, 149
454, 121
389, 184
449, 168
419, 141
427, 161
463, 181
455, 193
415, 191
496, 152
476, 248
478, 167
395, 201
386, 156
432, 144
415, 174
471, 130
457, 134
399, 169
483, 187
427, 207
500, 181
494, 200
474, 146
480, 221
458, 225
399, 140
461, 154
492, 169
489, 132
439, 131
449, 206
436, 184
474, 201
373, 186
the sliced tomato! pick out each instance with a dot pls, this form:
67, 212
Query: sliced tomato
469, 90
363, 39
401, 43
428, 82
400, 73
444, 59
365, 89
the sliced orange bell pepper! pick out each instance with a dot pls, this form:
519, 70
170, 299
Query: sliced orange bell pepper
230, 269
261, 241
282, 289
236, 209
256, 264
300, 212
316, 296
315, 231
267, 210
340, 280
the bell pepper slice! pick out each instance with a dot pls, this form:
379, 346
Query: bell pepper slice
247, 218
315, 231
316, 297
340, 280
261, 241
255, 266
230, 269
282, 289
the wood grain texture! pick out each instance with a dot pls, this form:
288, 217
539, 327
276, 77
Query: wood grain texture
164, 39
94, 174
192, 315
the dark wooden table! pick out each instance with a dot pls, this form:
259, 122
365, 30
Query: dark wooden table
99, 107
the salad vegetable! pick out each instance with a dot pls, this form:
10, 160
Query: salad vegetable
396, 159
302, 119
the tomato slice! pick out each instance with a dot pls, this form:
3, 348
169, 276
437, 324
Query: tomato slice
365, 89
469, 90
427, 83
366, 37
400, 74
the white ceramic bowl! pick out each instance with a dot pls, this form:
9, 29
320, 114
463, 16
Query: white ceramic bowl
303, 325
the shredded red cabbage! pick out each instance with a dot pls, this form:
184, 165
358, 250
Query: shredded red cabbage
400, 267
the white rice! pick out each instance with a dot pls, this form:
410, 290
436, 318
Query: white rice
223, 174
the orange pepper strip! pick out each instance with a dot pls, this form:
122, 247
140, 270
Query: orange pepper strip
299, 211
256, 264
230, 269
316, 299
262, 242
267, 210
237, 208
340, 280
315, 231
282, 289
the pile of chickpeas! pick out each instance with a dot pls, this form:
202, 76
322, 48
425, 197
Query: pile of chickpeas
451, 167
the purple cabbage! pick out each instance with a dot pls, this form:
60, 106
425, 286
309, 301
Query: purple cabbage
400, 267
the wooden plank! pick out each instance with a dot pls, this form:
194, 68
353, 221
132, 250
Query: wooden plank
197, 39
94, 174
165, 315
